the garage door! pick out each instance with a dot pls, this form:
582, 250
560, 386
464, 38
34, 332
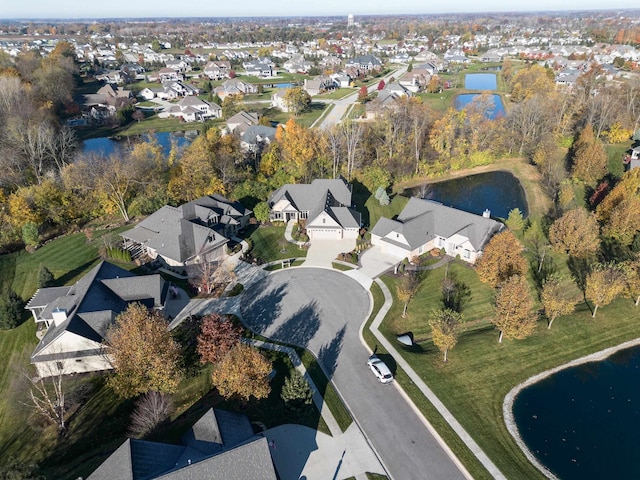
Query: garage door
325, 233
393, 250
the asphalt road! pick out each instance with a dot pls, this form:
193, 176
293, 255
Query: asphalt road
322, 310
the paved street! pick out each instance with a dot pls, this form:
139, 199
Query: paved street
322, 310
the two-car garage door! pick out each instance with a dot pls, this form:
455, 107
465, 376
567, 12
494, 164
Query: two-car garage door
325, 233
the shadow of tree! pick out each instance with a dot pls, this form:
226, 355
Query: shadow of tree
389, 361
300, 327
263, 306
72, 274
328, 354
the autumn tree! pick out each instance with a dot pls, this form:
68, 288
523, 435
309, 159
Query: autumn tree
444, 329
502, 258
363, 94
298, 149
537, 243
530, 81
297, 100
381, 85
407, 288
217, 337
514, 316
143, 353
590, 158
515, 221
604, 283
243, 372
556, 298
620, 210
632, 278
575, 233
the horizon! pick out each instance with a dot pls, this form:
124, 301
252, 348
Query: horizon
74, 10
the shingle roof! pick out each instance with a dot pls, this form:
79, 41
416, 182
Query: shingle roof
92, 303
422, 220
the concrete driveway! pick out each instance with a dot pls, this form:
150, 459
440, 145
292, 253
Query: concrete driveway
322, 253
322, 310
373, 262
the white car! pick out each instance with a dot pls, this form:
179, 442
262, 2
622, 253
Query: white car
380, 369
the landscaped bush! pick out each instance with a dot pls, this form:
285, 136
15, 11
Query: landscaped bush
11, 308
236, 290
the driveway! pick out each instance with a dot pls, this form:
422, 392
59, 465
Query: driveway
322, 253
373, 262
322, 310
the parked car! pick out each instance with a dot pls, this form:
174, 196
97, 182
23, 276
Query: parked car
380, 369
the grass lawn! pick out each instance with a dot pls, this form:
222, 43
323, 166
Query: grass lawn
480, 371
371, 209
615, 152
440, 102
268, 244
337, 94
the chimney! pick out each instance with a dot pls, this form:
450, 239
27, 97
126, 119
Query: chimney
486, 213
59, 315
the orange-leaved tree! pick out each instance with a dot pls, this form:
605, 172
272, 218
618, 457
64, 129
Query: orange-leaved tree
217, 337
501, 259
243, 372
514, 316
575, 233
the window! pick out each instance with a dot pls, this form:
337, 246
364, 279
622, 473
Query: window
467, 253
324, 220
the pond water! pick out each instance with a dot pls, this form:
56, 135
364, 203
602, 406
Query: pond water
497, 110
283, 85
583, 422
480, 81
106, 146
500, 192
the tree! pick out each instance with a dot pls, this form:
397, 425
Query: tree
45, 277
144, 354
575, 233
30, 234
536, 242
151, 410
556, 299
384, 198
299, 149
528, 82
201, 276
296, 392
13, 469
217, 337
261, 212
514, 316
363, 94
620, 210
444, 329
297, 100
406, 289
243, 372
138, 115
590, 158
11, 309
515, 221
381, 85
229, 106
47, 394
632, 278
502, 258
604, 283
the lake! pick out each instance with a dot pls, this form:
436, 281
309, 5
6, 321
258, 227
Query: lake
480, 81
106, 146
464, 99
583, 422
499, 191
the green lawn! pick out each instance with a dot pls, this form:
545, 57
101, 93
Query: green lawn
268, 244
480, 371
615, 152
371, 209
337, 94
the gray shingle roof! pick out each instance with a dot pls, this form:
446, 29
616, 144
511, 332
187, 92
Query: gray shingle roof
307, 197
92, 303
422, 220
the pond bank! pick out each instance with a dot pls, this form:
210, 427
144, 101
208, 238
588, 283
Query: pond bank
529, 177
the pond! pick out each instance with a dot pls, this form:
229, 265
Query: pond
480, 81
106, 146
583, 422
500, 192
283, 85
493, 112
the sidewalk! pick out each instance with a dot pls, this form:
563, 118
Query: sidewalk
428, 393
289, 230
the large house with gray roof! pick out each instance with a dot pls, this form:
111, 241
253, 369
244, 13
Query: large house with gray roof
424, 225
75, 318
192, 233
325, 206
221, 445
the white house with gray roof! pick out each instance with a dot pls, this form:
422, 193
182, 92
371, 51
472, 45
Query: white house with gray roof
192, 233
424, 225
325, 206
75, 318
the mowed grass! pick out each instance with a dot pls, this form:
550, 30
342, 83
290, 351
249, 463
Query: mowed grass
370, 208
480, 371
269, 244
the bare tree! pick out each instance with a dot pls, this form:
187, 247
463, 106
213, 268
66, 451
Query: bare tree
151, 410
352, 133
47, 394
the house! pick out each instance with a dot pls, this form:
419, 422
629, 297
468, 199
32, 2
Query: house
424, 225
217, 69
241, 121
632, 158
169, 75
365, 64
75, 319
221, 445
264, 70
235, 87
386, 100
192, 233
256, 137
194, 109
106, 101
318, 85
415, 80
324, 205
278, 99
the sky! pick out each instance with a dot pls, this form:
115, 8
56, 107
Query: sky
42, 9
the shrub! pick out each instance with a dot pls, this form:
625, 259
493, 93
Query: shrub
236, 290
117, 253
30, 234
11, 308
296, 392
45, 277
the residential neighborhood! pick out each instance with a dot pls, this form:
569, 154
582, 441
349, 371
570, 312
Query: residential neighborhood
348, 246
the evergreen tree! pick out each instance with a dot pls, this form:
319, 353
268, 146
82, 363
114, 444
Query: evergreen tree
296, 392
11, 308
45, 277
